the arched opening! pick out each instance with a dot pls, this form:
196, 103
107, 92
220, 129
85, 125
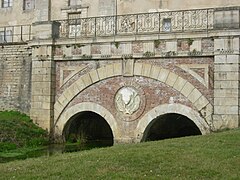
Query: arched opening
88, 128
170, 126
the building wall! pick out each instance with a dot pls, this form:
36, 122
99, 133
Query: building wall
103, 7
53, 10
15, 78
15, 15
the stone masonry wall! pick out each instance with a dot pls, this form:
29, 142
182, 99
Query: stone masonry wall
15, 77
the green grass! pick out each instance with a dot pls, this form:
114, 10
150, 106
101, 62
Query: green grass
18, 131
215, 156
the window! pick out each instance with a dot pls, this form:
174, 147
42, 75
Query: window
28, 4
74, 24
5, 36
167, 25
2, 36
74, 2
74, 15
7, 3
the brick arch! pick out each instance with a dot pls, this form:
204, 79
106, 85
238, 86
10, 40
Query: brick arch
144, 122
86, 106
158, 73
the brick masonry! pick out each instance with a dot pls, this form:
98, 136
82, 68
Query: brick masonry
15, 78
171, 64
191, 73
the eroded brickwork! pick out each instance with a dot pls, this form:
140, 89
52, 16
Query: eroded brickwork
15, 78
172, 64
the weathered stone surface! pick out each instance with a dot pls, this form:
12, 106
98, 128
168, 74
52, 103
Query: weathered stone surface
15, 78
192, 74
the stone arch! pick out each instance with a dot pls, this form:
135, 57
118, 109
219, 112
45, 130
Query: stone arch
86, 106
170, 108
140, 69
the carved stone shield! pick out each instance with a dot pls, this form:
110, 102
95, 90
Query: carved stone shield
127, 100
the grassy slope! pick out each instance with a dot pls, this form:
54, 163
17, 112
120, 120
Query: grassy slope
215, 156
17, 131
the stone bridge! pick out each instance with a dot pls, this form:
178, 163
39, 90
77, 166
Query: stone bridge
138, 77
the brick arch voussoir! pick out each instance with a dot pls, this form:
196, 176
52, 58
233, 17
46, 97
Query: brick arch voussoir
82, 83
140, 69
174, 81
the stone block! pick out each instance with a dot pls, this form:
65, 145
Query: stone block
171, 46
86, 50
48, 99
226, 68
105, 49
187, 89
37, 78
127, 48
225, 101
208, 110
146, 69
226, 93
46, 106
163, 75
225, 121
47, 90
47, 78
37, 64
62, 101
148, 47
155, 72
36, 90
80, 84
117, 69
226, 76
102, 73
179, 84
67, 51
233, 59
196, 45
94, 76
109, 70
36, 105
236, 44
224, 110
47, 64
201, 103
220, 59
226, 84
128, 67
73, 89
219, 44
194, 95
138, 69
172, 77
87, 79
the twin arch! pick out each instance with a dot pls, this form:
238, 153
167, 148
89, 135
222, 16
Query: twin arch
143, 122
140, 69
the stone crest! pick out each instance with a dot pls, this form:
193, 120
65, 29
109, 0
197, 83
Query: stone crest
127, 100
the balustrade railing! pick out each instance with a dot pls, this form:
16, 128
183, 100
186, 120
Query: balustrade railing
157, 22
145, 23
15, 34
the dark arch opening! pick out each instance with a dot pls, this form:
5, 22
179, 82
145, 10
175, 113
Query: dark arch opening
170, 126
88, 128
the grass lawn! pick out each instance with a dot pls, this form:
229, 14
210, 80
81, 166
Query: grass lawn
215, 156
19, 135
